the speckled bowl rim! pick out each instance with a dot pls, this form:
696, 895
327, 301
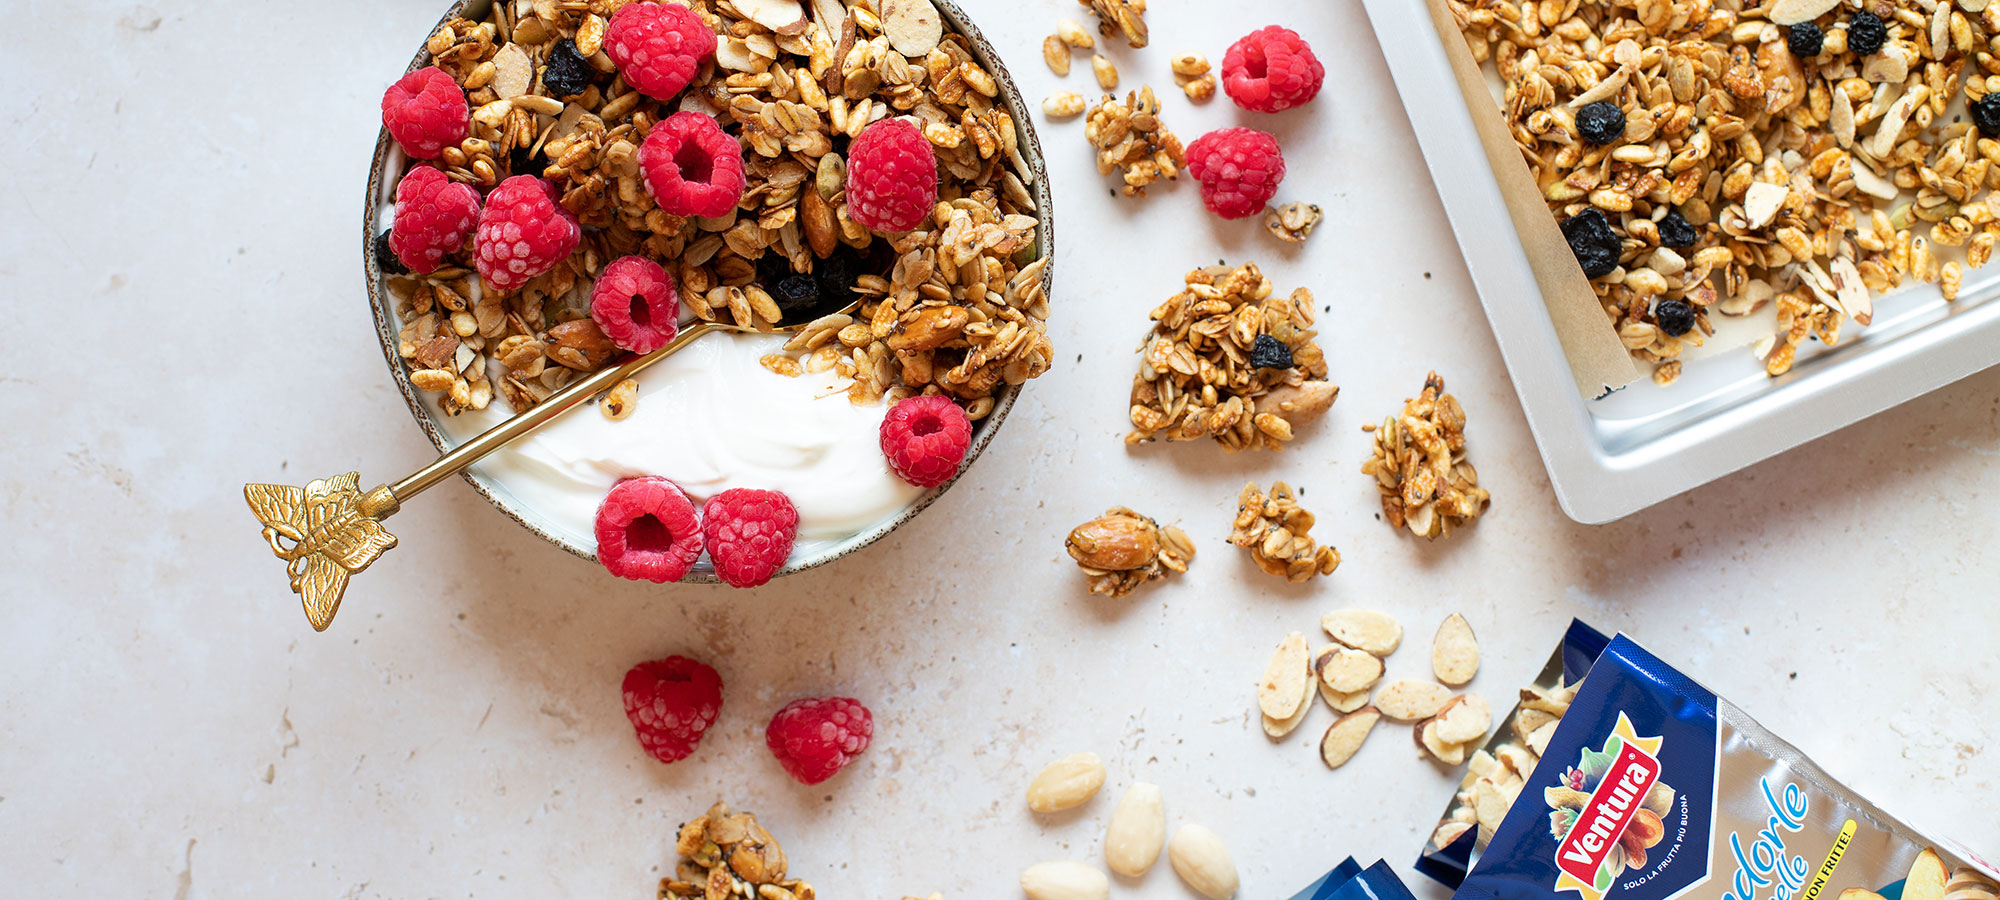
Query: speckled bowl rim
386, 326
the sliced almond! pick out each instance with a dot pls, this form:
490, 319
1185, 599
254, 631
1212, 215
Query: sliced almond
781, 16
1285, 679
1348, 670
1603, 90
733, 54
1517, 759
1409, 700
1278, 728
1482, 764
1538, 740
1345, 735
1851, 290
1066, 783
1841, 119
1552, 702
1489, 806
1792, 12
1064, 880
1762, 202
1448, 832
513, 72
1445, 752
1455, 652
913, 26
1466, 718
1342, 703
1527, 720
1363, 629
1928, 877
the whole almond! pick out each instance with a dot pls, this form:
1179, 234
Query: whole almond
1344, 737
1066, 783
1409, 700
1137, 831
1455, 652
1201, 860
1064, 880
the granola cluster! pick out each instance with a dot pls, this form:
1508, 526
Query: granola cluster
1275, 529
727, 855
1420, 468
793, 81
1122, 549
1793, 171
1130, 139
1229, 359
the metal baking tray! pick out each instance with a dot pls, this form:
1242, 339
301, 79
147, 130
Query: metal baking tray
1615, 455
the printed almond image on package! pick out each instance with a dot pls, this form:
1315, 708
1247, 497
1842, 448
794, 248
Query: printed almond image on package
1620, 778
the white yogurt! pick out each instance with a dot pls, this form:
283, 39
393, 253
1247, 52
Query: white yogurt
709, 418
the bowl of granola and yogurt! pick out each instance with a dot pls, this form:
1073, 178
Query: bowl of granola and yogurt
955, 306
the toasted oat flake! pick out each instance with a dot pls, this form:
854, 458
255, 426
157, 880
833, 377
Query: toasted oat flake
1292, 221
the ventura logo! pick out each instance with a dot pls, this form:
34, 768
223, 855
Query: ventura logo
1591, 825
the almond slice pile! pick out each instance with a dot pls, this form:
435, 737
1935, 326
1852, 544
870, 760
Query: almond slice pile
1348, 674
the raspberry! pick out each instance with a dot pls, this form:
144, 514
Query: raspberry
634, 303
692, 167
647, 529
925, 439
658, 46
671, 703
425, 112
523, 232
818, 736
1239, 170
749, 534
1270, 70
891, 177
434, 214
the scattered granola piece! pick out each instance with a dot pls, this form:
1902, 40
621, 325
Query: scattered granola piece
726, 854
619, 402
1420, 468
1195, 379
1056, 54
1075, 35
1105, 70
1118, 18
1122, 549
1063, 104
1190, 65
1274, 529
1199, 90
1291, 222
1131, 139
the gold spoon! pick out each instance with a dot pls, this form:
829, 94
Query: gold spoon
329, 529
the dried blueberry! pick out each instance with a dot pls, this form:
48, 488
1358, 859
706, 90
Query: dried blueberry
524, 161
1986, 114
1865, 33
795, 292
1675, 317
566, 73
385, 258
1601, 122
837, 274
1270, 353
1804, 40
1592, 240
1676, 232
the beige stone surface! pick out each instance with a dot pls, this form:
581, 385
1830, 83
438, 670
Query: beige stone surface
186, 314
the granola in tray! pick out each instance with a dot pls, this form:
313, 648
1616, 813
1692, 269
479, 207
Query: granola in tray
1230, 359
1712, 157
955, 306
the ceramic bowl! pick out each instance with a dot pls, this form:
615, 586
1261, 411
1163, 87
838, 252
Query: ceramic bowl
381, 193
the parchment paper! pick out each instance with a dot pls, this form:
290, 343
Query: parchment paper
1597, 360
